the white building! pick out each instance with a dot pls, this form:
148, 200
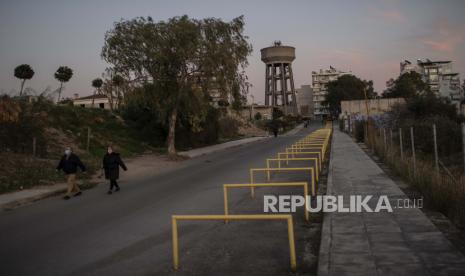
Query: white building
440, 77
100, 101
319, 83
304, 96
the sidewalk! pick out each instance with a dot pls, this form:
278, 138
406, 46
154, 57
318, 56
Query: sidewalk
403, 242
211, 149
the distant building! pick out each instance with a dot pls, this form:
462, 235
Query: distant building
440, 77
305, 101
319, 83
100, 101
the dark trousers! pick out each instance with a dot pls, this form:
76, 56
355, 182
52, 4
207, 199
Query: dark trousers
113, 184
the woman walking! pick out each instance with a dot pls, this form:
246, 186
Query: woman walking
111, 163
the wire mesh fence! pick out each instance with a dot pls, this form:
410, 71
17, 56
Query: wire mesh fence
427, 155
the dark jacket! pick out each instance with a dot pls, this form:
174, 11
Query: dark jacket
69, 164
111, 164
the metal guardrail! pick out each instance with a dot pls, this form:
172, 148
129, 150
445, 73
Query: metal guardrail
317, 168
274, 184
293, 154
253, 170
316, 140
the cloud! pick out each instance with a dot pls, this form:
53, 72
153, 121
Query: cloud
390, 15
444, 36
394, 16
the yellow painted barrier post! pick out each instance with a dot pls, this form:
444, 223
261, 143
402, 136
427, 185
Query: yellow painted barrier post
225, 201
288, 218
290, 234
174, 237
268, 172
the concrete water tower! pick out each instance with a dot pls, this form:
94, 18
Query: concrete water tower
279, 81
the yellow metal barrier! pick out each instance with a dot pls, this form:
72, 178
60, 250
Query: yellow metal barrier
310, 169
275, 184
322, 150
293, 159
321, 147
287, 154
288, 218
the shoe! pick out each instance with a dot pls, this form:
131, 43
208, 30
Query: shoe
109, 192
66, 197
117, 189
78, 194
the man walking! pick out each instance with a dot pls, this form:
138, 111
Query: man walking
69, 164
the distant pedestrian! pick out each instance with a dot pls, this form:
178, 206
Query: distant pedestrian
275, 131
69, 163
111, 163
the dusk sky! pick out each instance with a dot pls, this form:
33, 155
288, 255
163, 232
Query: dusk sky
369, 38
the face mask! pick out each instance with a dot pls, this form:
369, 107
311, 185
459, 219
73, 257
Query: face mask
67, 152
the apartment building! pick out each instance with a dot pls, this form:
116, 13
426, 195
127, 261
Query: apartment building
440, 77
319, 84
304, 96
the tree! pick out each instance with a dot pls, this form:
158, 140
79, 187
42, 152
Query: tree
406, 85
63, 74
347, 87
23, 72
118, 82
97, 84
177, 62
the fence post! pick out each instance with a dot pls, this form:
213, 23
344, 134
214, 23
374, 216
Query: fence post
390, 142
385, 141
413, 152
34, 146
463, 144
401, 145
88, 138
436, 158
365, 133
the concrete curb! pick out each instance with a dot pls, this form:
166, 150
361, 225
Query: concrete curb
25, 197
17, 199
211, 149
326, 237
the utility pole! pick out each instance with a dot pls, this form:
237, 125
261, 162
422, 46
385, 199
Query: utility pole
463, 144
368, 112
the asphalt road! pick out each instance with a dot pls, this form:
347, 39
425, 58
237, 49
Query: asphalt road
129, 233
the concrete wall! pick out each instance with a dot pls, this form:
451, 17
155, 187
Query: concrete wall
249, 112
375, 106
